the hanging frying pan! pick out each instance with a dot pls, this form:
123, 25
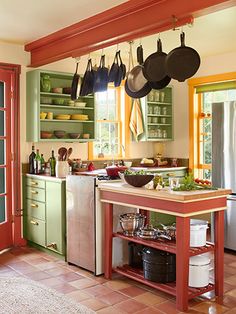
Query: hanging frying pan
88, 80
182, 62
135, 79
161, 84
76, 84
154, 66
101, 79
139, 94
122, 66
114, 69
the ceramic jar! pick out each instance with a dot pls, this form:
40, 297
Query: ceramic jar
45, 83
62, 169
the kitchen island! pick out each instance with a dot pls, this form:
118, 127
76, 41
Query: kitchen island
183, 205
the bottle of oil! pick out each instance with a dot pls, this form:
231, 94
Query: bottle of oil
31, 161
53, 165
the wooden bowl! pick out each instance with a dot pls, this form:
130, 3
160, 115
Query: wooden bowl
45, 134
74, 135
138, 180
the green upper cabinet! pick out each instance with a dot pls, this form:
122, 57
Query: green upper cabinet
47, 92
158, 115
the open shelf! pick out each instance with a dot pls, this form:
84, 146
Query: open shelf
166, 245
67, 121
65, 107
170, 288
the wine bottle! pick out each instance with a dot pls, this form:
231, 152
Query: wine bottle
37, 162
42, 164
31, 161
53, 165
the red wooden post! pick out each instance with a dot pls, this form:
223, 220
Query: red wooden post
108, 239
182, 262
219, 252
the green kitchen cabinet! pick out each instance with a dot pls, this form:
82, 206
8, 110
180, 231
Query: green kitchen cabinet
45, 212
55, 216
41, 97
157, 110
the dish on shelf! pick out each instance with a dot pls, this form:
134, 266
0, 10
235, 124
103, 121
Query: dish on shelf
63, 117
59, 133
71, 103
80, 104
66, 90
46, 100
86, 135
79, 117
74, 135
45, 134
57, 90
43, 115
58, 101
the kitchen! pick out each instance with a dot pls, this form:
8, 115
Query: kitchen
178, 148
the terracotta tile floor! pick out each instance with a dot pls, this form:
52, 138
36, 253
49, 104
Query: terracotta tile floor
119, 296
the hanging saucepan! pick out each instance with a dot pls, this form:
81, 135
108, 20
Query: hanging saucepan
76, 84
182, 62
101, 80
139, 94
161, 84
154, 66
88, 80
135, 79
122, 66
114, 69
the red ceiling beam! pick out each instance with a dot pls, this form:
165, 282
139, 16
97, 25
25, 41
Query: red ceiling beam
130, 20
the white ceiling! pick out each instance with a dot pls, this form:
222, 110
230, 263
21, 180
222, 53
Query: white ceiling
22, 21
27, 20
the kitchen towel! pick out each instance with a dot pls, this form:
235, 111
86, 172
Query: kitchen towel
136, 119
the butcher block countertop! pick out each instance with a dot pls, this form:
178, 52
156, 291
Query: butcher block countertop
165, 194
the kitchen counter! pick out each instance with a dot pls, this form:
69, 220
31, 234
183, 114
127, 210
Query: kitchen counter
45, 177
155, 169
183, 205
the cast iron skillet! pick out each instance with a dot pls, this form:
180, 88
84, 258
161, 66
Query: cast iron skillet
88, 80
135, 79
161, 84
114, 69
101, 79
154, 66
121, 72
139, 94
75, 85
182, 62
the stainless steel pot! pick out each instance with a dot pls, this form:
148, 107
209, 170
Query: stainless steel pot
150, 233
131, 223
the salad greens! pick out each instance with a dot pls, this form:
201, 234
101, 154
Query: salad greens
131, 173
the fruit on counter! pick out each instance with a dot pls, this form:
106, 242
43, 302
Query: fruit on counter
146, 161
190, 184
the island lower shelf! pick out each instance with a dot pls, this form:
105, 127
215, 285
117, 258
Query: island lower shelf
170, 288
166, 245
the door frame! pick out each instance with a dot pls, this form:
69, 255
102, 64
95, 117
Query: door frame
15, 71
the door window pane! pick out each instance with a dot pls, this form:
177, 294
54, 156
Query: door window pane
2, 133
2, 208
2, 152
1, 94
2, 180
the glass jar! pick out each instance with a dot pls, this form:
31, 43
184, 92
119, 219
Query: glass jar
154, 120
159, 133
45, 83
150, 111
164, 111
164, 133
151, 96
157, 95
157, 110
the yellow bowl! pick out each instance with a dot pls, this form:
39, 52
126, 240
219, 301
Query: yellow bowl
62, 117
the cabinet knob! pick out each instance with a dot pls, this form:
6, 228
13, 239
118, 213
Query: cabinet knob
34, 183
34, 222
34, 205
34, 192
52, 245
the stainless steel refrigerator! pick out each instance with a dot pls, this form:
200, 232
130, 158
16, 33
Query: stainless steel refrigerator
224, 161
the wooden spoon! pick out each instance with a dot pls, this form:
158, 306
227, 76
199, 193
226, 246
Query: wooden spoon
62, 152
69, 152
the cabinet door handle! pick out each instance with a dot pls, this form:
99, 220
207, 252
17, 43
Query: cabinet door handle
170, 174
34, 205
34, 222
34, 192
34, 183
52, 245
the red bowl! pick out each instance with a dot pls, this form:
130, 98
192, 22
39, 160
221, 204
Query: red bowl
112, 171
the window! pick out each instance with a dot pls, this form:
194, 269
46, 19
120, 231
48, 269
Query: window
203, 93
109, 126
